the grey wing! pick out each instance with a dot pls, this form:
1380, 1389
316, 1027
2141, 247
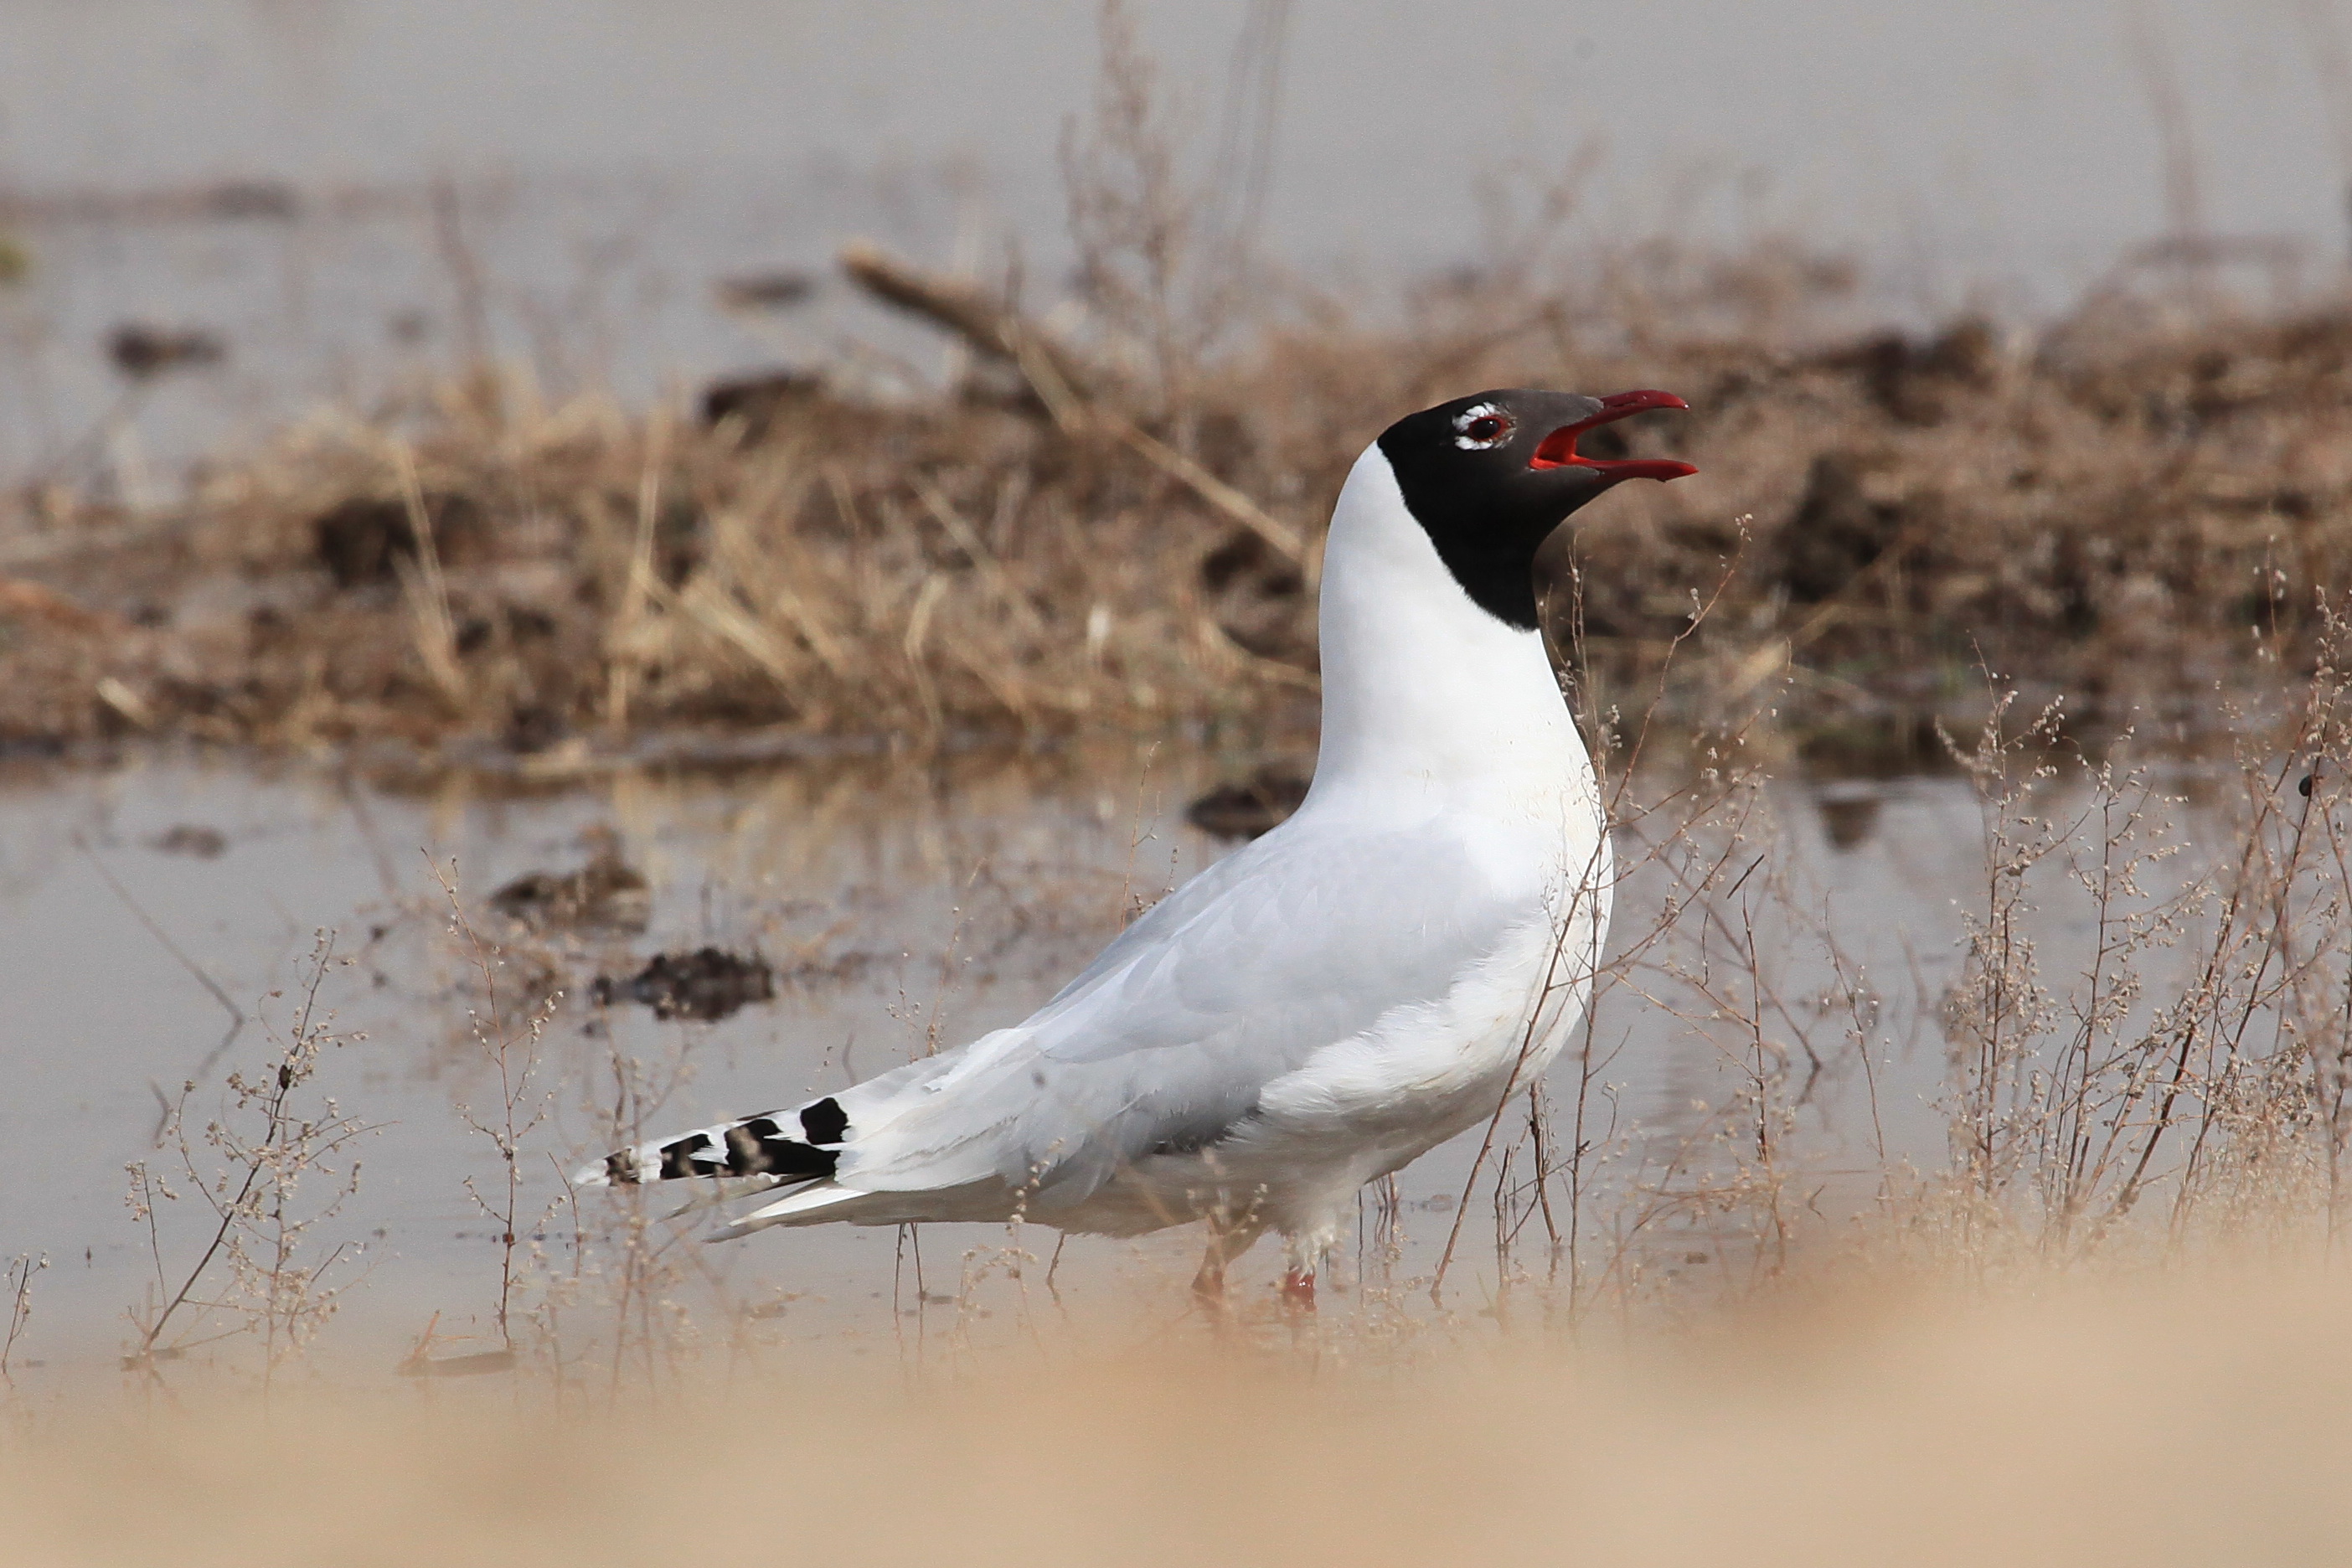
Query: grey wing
1164, 1041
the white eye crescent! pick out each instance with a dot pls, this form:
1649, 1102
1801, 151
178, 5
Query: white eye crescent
1480, 427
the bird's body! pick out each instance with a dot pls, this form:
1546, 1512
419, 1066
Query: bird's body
1371, 978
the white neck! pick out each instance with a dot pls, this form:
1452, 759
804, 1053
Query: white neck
1429, 703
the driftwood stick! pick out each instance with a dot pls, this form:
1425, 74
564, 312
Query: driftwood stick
964, 308
1054, 374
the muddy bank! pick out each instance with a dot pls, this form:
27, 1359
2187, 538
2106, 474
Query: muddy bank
2129, 506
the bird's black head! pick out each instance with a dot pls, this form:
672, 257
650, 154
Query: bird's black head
1491, 475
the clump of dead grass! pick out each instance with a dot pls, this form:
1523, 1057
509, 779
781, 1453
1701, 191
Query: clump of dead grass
2124, 508
1115, 524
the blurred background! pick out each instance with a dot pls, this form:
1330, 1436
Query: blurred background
335, 194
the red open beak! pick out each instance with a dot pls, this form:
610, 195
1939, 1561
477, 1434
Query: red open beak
1557, 451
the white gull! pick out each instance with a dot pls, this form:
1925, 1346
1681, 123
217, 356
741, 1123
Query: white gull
1375, 976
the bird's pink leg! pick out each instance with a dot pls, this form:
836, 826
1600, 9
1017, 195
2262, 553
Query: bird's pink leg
1209, 1284
1298, 1289
1225, 1246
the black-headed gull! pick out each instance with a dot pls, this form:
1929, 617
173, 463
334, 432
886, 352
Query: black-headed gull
1321, 1007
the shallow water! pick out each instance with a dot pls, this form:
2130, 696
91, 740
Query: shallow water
900, 903
610, 163
865, 873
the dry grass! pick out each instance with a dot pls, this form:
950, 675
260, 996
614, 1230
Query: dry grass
273, 1143
1115, 523
2126, 508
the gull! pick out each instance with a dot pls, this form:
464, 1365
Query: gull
1379, 974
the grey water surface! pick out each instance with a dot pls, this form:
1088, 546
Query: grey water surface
351, 194
900, 905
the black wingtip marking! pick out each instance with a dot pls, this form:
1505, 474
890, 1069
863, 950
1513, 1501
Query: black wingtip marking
677, 1159
825, 1121
760, 1147
757, 1147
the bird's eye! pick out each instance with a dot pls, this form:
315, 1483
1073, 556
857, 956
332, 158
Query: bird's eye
1481, 427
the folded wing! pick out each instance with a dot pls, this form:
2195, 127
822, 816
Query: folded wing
1163, 1042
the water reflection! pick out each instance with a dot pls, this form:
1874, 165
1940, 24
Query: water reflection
1849, 812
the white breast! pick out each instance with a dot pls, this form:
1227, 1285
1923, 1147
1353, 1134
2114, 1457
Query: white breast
1431, 704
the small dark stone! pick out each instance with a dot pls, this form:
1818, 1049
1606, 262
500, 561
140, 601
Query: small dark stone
361, 540
774, 291
606, 893
1250, 806
141, 350
250, 199
1848, 814
534, 727
704, 985
190, 838
760, 401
